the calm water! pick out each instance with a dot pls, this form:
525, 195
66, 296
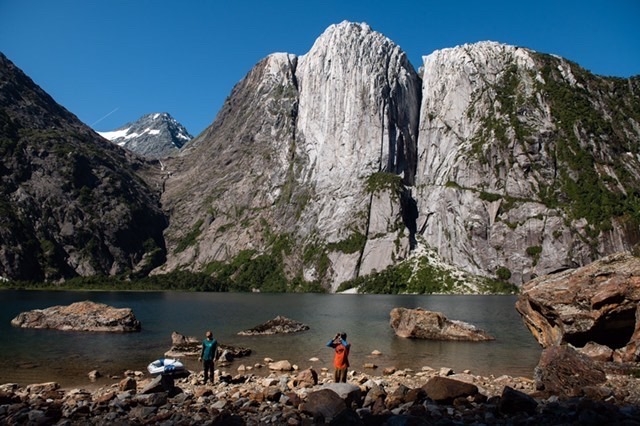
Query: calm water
32, 356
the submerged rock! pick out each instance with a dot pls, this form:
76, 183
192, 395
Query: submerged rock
422, 324
80, 316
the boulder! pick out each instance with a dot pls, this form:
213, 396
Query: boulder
597, 304
323, 405
128, 383
278, 325
445, 390
351, 394
513, 401
307, 378
422, 324
80, 316
283, 365
397, 397
375, 393
564, 371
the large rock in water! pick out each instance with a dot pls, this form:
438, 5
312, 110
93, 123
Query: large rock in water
421, 324
80, 316
277, 325
592, 306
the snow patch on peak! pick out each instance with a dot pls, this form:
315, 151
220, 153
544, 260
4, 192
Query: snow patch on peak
116, 134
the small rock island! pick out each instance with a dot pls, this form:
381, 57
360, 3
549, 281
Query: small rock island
80, 316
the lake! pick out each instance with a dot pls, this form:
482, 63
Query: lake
34, 356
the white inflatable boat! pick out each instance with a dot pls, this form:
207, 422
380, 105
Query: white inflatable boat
166, 366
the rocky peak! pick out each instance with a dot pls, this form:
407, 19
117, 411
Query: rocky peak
153, 136
296, 143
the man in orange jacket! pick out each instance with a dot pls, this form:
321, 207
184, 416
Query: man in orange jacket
341, 358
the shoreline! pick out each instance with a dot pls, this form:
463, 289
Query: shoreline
263, 396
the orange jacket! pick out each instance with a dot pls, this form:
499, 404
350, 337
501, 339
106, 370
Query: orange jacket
341, 357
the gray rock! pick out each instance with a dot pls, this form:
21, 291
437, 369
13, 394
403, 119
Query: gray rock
513, 401
350, 393
155, 385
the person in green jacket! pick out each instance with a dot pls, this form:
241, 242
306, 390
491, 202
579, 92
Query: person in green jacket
208, 355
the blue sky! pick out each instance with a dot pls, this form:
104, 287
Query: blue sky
112, 61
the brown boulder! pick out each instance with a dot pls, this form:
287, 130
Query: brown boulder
597, 303
422, 324
79, 316
445, 390
128, 383
307, 378
564, 371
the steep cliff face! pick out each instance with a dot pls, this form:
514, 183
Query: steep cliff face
527, 163
343, 162
357, 126
70, 202
302, 152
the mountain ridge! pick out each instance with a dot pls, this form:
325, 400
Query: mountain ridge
346, 167
71, 202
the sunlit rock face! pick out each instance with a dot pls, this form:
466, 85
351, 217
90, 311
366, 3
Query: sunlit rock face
297, 142
497, 169
341, 162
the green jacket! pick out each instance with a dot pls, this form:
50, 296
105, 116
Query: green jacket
209, 349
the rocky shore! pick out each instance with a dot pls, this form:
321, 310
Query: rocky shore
255, 396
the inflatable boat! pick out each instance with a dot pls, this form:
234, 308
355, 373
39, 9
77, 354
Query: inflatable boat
166, 366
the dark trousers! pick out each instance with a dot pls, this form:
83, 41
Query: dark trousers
340, 375
208, 369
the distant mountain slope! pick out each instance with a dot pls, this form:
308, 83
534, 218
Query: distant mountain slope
70, 202
153, 136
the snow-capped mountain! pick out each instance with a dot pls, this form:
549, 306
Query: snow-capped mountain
156, 135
